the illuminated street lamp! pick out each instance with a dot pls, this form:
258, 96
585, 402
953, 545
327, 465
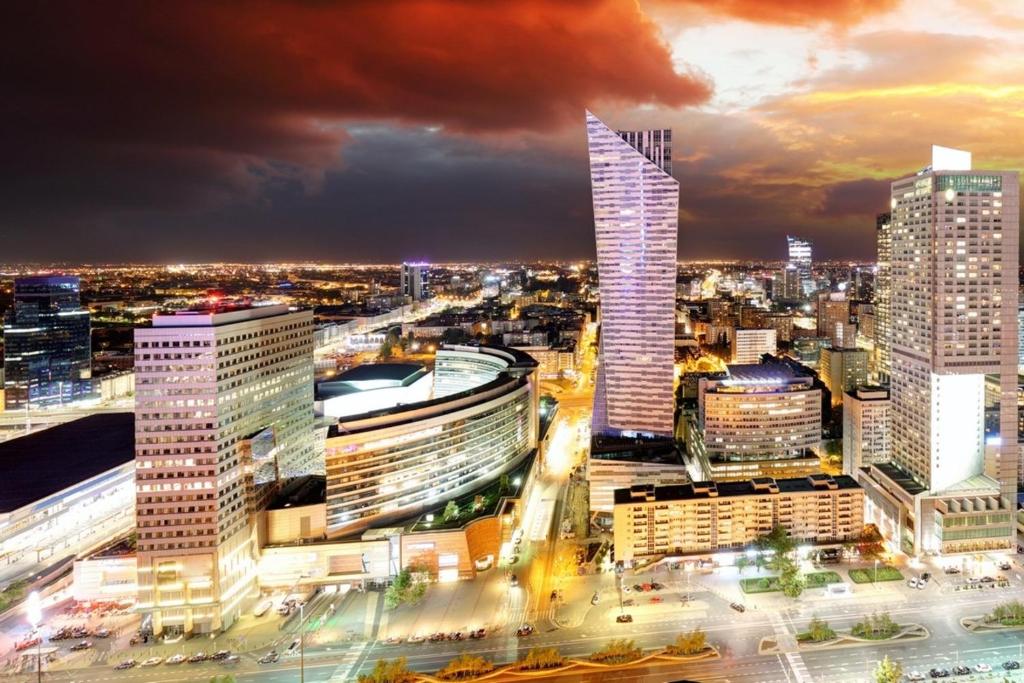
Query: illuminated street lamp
34, 611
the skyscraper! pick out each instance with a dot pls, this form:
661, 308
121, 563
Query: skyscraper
223, 408
415, 280
883, 297
954, 308
636, 207
47, 347
800, 256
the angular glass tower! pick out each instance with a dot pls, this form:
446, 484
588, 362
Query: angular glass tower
47, 348
636, 217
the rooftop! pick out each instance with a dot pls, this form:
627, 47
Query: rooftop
41, 464
395, 372
900, 477
218, 313
308, 490
726, 489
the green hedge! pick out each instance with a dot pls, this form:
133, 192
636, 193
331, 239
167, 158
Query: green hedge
868, 575
770, 584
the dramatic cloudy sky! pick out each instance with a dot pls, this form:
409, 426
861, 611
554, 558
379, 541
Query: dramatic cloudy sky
380, 130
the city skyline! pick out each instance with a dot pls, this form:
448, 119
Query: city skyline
219, 157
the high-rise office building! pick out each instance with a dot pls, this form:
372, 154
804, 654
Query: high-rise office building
636, 207
47, 348
416, 280
655, 144
800, 257
833, 309
883, 296
748, 345
866, 427
842, 370
223, 409
954, 307
791, 289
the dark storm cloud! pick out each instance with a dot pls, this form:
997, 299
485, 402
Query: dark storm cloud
130, 116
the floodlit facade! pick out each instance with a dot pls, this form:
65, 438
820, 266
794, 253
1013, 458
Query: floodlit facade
47, 343
391, 464
760, 419
800, 258
707, 516
223, 409
416, 280
866, 428
842, 370
636, 207
954, 321
748, 345
883, 297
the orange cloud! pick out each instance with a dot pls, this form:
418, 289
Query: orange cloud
785, 12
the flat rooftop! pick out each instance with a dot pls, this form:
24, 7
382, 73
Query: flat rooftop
395, 372
727, 489
41, 464
301, 491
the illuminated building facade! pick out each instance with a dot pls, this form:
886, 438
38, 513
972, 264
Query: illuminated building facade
842, 370
47, 343
760, 420
223, 409
706, 516
883, 297
416, 280
954, 321
636, 207
866, 427
393, 463
748, 345
800, 258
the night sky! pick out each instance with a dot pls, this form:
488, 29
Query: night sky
383, 130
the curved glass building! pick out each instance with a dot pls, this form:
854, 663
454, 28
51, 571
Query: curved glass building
389, 464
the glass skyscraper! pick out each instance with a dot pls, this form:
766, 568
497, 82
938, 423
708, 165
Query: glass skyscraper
636, 216
47, 349
800, 256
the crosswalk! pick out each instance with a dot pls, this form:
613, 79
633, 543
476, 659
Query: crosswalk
344, 672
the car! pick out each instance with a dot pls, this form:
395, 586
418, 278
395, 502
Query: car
737, 606
638, 588
175, 659
393, 640
952, 570
415, 638
83, 645
629, 602
152, 661
220, 654
197, 657
231, 660
915, 676
961, 670
513, 580
912, 583
939, 673
101, 633
1011, 665
595, 599
269, 658
624, 619
524, 631
926, 576
513, 559
436, 637
657, 586
1005, 566
294, 644
478, 634
27, 643
126, 664
982, 668
987, 579
554, 595
455, 635
626, 589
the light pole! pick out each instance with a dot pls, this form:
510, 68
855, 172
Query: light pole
302, 643
876, 574
35, 617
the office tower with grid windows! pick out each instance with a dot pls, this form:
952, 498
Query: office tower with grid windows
223, 410
800, 256
636, 206
951, 484
883, 297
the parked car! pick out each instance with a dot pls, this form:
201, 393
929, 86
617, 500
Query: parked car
101, 633
912, 583
478, 633
175, 659
624, 619
961, 670
595, 599
197, 657
393, 640
524, 630
415, 638
982, 668
1011, 665
1005, 566
126, 664
939, 673
231, 660
915, 676
269, 658
952, 570
82, 645
737, 606
220, 654
152, 661
513, 580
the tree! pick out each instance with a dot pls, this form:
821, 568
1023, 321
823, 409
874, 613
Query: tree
819, 631
451, 511
617, 652
888, 671
792, 584
541, 658
777, 540
387, 349
691, 643
405, 589
385, 671
465, 666
742, 562
1009, 613
869, 542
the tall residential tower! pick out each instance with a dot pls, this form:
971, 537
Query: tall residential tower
636, 207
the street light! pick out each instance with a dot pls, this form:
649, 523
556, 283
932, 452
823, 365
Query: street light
35, 617
876, 574
302, 643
